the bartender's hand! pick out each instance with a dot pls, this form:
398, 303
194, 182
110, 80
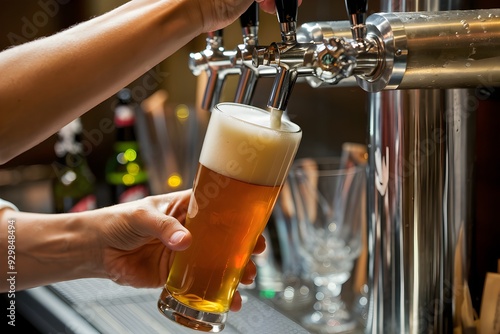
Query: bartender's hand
217, 14
139, 240
130, 243
269, 5
119, 46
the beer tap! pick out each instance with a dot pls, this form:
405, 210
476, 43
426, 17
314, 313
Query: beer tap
326, 61
243, 58
288, 57
338, 57
356, 10
405, 50
330, 60
216, 62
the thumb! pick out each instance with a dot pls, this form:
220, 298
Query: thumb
178, 240
173, 234
168, 209
168, 229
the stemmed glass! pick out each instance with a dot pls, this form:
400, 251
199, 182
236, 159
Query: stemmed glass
329, 200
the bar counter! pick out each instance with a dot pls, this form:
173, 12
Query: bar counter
92, 306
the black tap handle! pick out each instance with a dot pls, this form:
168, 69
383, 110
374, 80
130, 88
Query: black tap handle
356, 10
216, 33
287, 10
250, 18
287, 17
356, 6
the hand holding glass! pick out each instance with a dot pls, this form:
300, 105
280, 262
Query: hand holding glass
243, 164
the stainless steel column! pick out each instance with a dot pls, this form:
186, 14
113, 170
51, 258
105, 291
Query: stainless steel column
418, 211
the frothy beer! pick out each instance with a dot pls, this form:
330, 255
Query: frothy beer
242, 167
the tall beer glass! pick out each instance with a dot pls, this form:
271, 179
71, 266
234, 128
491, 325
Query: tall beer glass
243, 163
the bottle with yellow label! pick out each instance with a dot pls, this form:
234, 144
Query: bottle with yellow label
126, 173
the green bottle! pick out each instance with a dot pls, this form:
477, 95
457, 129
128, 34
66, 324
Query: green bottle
74, 184
126, 173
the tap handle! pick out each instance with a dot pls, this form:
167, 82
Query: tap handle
286, 11
356, 10
249, 24
215, 39
250, 18
216, 33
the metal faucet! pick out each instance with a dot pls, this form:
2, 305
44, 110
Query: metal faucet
289, 57
330, 60
217, 63
249, 74
356, 11
389, 51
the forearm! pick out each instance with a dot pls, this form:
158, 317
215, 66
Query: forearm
53, 80
44, 249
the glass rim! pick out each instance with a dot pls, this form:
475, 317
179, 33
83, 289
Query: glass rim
260, 110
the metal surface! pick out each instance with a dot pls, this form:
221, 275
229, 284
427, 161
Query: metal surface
248, 77
287, 56
101, 306
217, 63
420, 157
425, 49
430, 49
416, 246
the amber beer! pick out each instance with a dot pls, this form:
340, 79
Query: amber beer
242, 166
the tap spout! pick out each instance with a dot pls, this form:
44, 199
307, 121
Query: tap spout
356, 11
243, 58
216, 62
287, 57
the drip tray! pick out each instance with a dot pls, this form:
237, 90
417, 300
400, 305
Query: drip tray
102, 306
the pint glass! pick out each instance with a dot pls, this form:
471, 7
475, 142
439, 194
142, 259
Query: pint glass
242, 166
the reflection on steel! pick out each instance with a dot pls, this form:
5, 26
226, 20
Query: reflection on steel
418, 226
249, 74
288, 57
428, 49
408, 50
216, 62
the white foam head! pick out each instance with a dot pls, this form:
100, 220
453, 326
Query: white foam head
240, 143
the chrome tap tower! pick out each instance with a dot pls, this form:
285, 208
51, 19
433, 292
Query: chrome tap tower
422, 62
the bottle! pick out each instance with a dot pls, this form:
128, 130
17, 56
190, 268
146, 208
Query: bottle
74, 185
126, 174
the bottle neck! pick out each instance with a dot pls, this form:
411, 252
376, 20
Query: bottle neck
125, 134
125, 123
72, 160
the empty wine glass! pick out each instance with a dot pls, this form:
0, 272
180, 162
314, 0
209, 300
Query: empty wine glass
329, 200
296, 294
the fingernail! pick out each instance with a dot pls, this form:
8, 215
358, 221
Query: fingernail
177, 237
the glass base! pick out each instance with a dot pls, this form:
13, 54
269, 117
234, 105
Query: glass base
189, 317
328, 323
